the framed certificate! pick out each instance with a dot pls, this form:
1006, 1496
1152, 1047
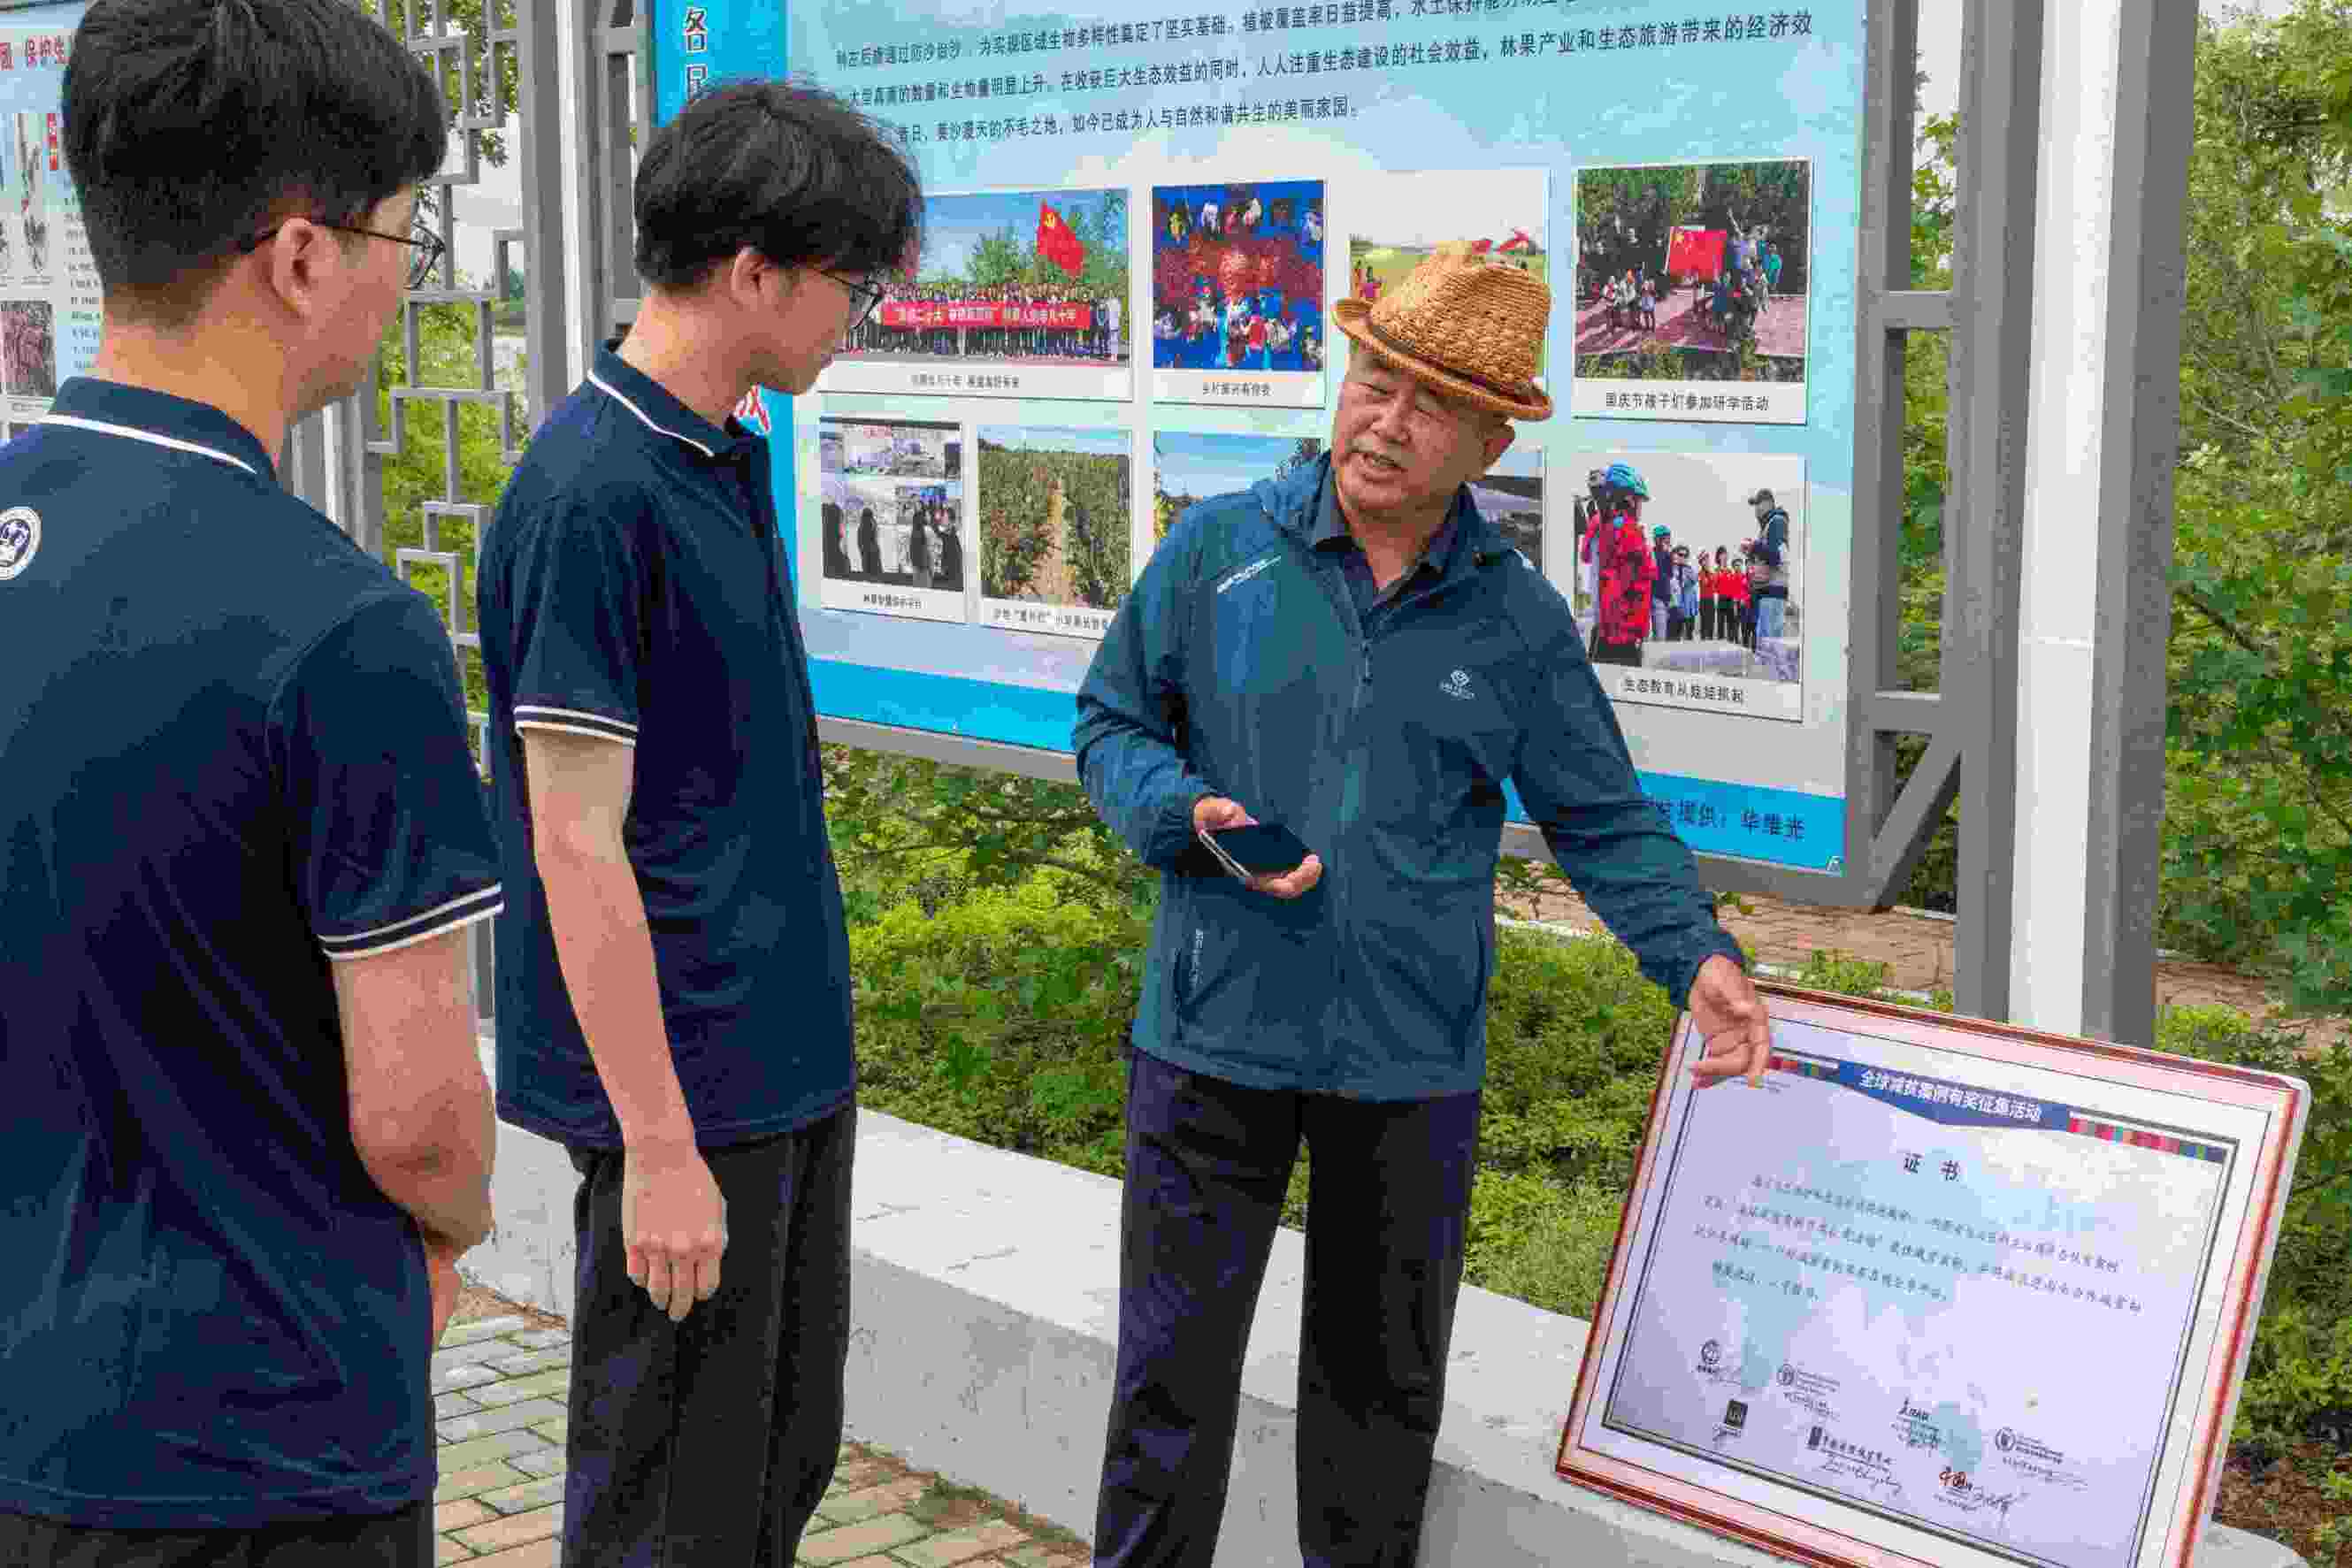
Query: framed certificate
1944, 1292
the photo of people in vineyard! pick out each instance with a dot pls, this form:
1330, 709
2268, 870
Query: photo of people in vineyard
1054, 508
1237, 277
1189, 466
28, 348
891, 516
1694, 271
1013, 278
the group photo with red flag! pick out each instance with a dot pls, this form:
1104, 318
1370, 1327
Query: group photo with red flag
1693, 272
1034, 278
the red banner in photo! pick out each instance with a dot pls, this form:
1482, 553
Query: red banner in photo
984, 313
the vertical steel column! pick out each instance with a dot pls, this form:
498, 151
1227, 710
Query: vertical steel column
1992, 318
2146, 265
1889, 105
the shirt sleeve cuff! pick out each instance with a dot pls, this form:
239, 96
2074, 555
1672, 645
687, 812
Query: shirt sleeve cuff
575, 721
463, 910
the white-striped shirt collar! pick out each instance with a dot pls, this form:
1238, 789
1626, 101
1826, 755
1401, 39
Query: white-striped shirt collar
609, 390
132, 433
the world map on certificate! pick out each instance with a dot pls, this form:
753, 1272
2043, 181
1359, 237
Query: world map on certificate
1970, 1318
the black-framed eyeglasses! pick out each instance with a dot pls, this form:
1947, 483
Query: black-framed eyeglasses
428, 246
869, 295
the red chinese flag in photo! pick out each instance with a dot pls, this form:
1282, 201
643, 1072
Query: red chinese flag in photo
1056, 244
1695, 252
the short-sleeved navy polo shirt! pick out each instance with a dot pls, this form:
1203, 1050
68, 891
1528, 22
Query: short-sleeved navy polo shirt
632, 589
234, 751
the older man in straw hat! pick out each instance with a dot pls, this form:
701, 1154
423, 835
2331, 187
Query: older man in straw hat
1354, 654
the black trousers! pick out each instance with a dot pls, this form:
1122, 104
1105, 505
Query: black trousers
402, 1538
707, 1443
1208, 1163
1616, 652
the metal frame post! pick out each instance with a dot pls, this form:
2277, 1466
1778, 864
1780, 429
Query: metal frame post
2155, 72
1992, 320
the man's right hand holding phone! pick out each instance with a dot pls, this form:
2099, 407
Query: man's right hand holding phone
1214, 813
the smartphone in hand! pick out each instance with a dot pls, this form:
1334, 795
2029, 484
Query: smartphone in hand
1259, 850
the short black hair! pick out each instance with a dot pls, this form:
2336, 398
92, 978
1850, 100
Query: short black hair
191, 125
782, 168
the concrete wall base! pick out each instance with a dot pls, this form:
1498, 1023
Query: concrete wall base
985, 1313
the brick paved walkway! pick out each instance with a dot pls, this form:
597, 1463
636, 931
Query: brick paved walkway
499, 1387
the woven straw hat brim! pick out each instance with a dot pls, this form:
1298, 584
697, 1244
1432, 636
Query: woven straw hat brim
1353, 317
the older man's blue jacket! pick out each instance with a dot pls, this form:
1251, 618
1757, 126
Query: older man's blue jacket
1239, 666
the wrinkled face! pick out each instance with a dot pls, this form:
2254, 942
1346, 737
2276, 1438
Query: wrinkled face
1400, 445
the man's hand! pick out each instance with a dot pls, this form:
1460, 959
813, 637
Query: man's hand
1214, 813
674, 1226
441, 1271
1732, 1020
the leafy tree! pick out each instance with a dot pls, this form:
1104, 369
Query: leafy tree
2258, 841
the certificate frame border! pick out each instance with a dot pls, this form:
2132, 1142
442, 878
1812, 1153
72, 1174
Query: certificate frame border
1797, 1538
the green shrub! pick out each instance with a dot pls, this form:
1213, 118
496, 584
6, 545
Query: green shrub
2299, 1374
1000, 1017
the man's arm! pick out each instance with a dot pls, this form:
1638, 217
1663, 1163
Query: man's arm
673, 1220
420, 1107
1578, 781
1130, 707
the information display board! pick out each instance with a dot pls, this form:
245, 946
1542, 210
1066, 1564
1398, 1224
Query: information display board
1136, 227
50, 306
1951, 1294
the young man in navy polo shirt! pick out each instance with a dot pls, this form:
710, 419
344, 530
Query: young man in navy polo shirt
674, 993
247, 1129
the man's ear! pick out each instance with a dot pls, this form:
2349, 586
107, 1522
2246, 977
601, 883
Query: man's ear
296, 260
1498, 441
746, 270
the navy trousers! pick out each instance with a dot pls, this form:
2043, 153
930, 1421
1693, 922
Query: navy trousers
709, 1443
1208, 1163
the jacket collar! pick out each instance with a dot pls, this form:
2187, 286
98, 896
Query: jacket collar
1295, 502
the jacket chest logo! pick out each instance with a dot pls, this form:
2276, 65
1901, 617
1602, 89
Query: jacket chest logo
1457, 686
1236, 578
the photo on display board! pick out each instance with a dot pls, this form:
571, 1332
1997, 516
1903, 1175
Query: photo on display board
1054, 531
1398, 219
1510, 495
1692, 291
1188, 467
31, 172
29, 348
1237, 293
1693, 596
891, 518
1016, 294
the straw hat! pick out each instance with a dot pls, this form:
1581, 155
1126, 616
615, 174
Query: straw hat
1467, 326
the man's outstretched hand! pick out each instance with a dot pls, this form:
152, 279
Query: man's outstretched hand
1731, 1018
